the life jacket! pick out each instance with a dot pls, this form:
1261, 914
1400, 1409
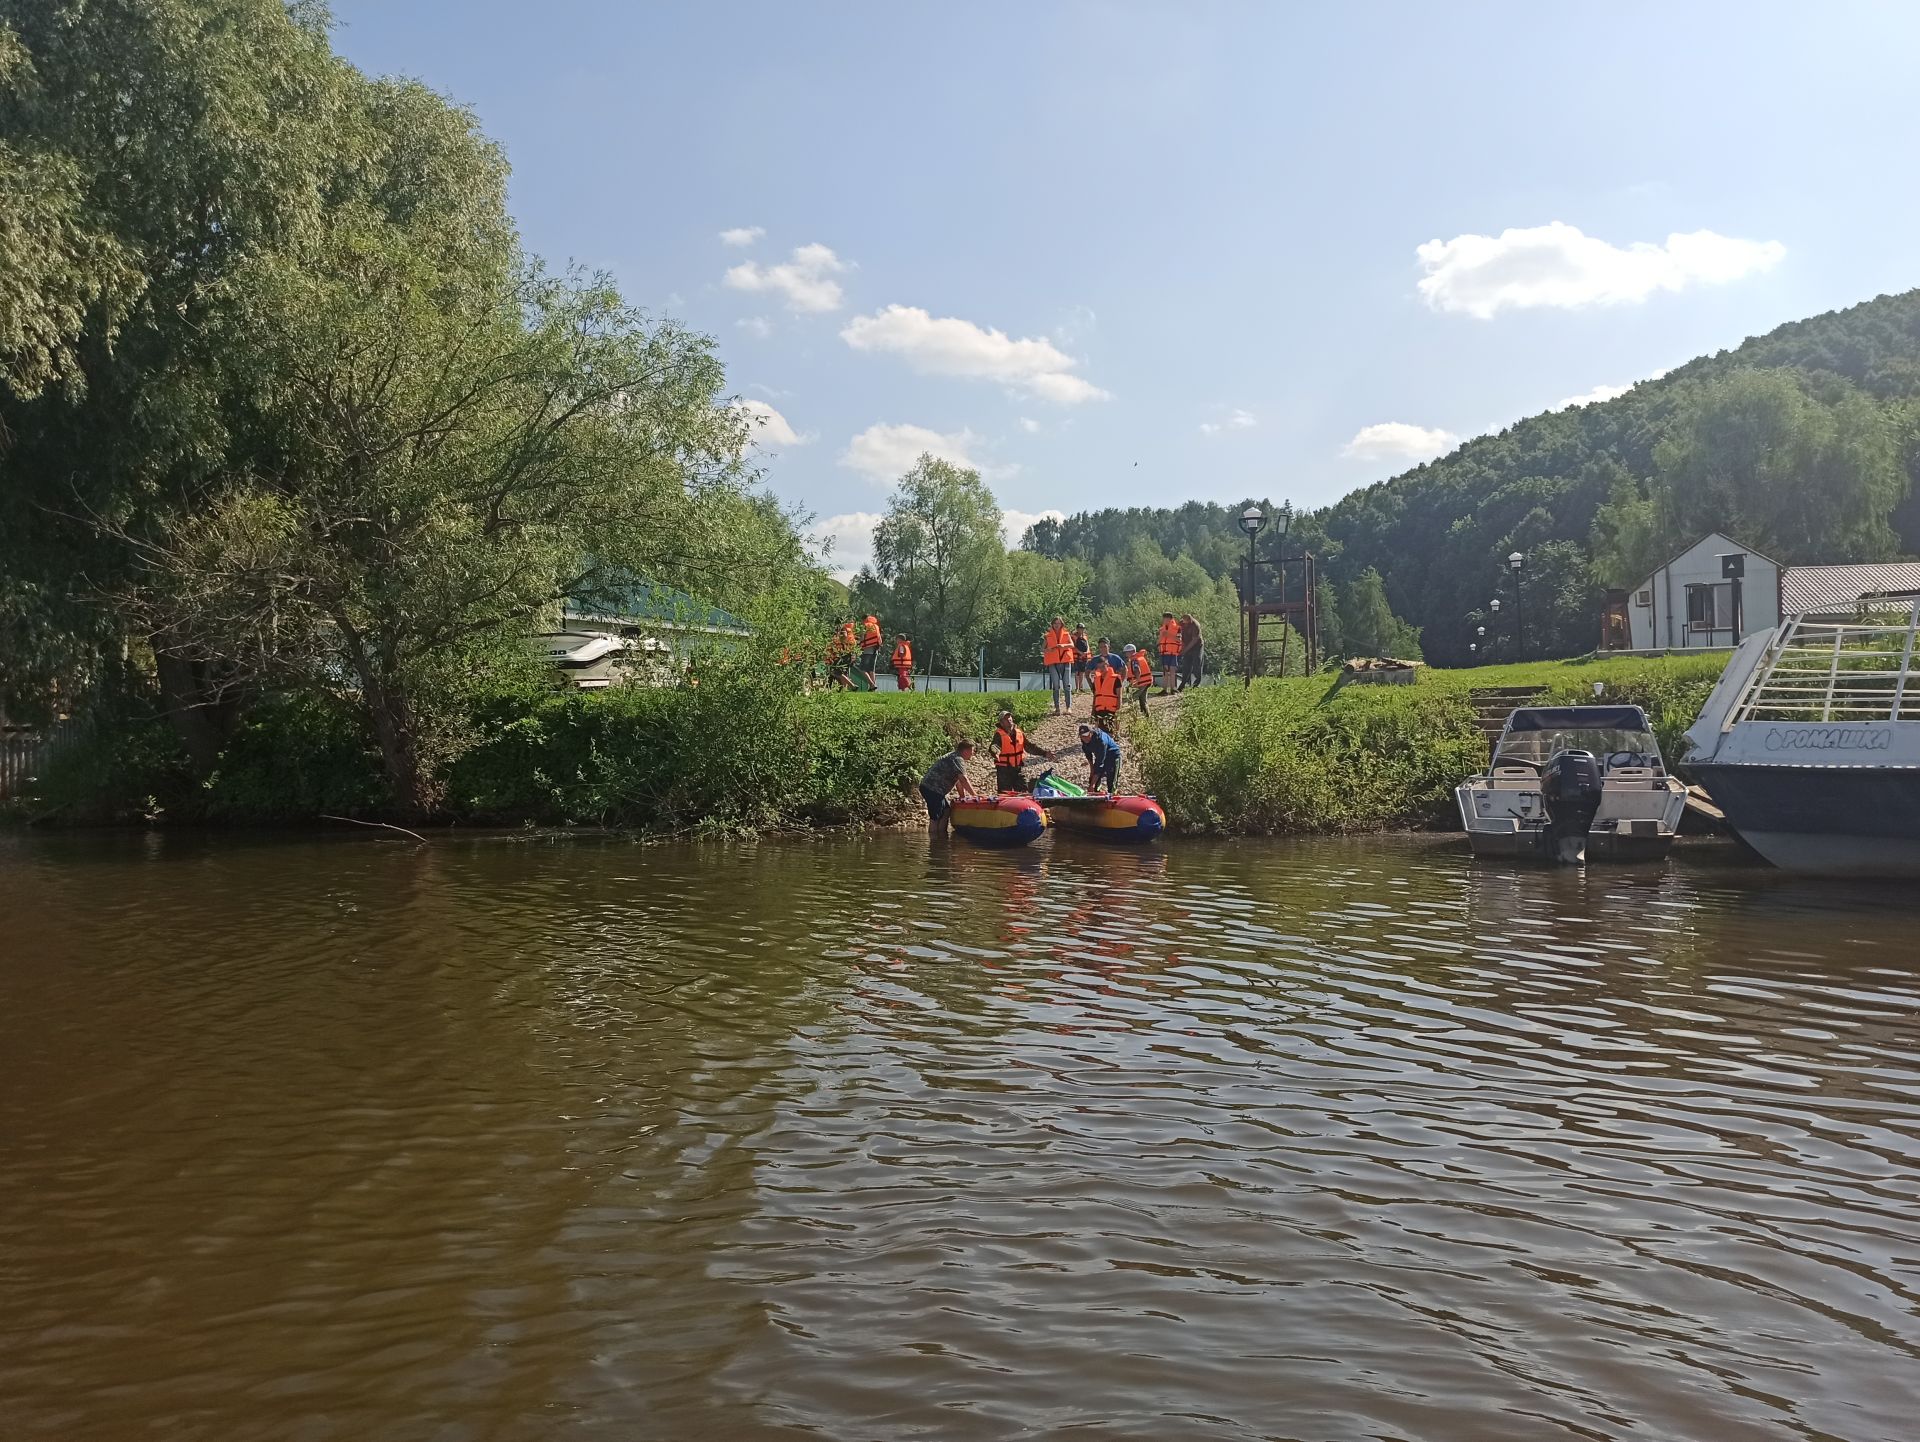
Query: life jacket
846, 639
1169, 637
1106, 687
1009, 750
1059, 649
902, 657
1140, 669
870, 635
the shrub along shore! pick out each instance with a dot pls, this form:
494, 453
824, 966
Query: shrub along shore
745, 752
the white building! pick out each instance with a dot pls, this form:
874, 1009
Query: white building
1688, 604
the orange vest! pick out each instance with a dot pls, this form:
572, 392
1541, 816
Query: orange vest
1106, 687
846, 639
1169, 637
902, 656
1009, 750
1059, 647
1140, 669
870, 635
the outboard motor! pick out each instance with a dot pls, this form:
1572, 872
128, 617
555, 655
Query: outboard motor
1570, 791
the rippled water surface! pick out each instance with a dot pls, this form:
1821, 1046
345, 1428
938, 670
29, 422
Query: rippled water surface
496, 1139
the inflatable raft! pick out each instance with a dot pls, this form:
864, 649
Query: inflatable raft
999, 820
1110, 818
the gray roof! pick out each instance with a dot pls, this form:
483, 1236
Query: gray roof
1822, 588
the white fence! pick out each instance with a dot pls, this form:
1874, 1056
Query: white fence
23, 753
962, 683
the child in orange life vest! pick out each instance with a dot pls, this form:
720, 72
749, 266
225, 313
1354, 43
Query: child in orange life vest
903, 662
1139, 675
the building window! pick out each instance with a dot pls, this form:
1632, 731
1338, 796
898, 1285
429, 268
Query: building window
1710, 608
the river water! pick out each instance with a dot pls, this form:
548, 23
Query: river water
502, 1139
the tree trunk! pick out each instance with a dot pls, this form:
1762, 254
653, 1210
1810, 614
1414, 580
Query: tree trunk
204, 723
414, 797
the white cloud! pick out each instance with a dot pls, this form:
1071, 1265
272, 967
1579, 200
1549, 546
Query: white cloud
949, 346
805, 279
742, 235
1592, 397
1237, 420
767, 426
845, 542
1013, 524
887, 452
1030, 425
756, 325
1398, 441
1558, 265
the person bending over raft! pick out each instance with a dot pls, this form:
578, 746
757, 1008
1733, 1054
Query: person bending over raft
903, 662
1139, 675
949, 773
1103, 759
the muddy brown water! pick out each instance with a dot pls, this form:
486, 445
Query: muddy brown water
348, 1139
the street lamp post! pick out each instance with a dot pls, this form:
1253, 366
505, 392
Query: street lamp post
1517, 563
1493, 609
1252, 521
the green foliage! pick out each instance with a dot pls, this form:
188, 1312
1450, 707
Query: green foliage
1284, 756
1367, 623
939, 555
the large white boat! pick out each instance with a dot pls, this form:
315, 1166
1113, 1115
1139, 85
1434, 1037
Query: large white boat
1810, 743
1574, 783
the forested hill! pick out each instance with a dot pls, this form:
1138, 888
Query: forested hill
1804, 442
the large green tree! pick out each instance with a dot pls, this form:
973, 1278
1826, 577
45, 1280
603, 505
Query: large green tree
939, 554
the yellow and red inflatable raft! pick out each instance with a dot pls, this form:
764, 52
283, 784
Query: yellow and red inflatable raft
1107, 818
998, 820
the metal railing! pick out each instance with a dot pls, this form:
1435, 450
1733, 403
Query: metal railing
1820, 667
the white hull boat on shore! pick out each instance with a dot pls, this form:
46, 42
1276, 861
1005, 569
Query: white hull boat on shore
1810, 743
1574, 783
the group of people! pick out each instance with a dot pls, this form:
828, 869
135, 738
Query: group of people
1074, 662
948, 776
859, 647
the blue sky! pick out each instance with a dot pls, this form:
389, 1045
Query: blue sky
1131, 254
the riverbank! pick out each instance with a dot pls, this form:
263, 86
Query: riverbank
746, 754
1295, 756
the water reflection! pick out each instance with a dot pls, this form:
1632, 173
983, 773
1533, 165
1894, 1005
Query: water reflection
894, 1138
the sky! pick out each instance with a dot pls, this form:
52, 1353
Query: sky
1139, 253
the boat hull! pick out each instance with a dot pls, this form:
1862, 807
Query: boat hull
999, 820
1852, 820
1128, 820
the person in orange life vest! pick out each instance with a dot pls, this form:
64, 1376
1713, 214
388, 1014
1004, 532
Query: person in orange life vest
870, 642
1105, 679
1057, 656
839, 654
903, 662
1139, 675
1169, 651
1010, 755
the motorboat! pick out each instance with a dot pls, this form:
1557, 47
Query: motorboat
1811, 746
1571, 784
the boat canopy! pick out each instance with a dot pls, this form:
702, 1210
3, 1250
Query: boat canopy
1578, 718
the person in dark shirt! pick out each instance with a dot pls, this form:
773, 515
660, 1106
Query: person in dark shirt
1103, 759
947, 774
1192, 655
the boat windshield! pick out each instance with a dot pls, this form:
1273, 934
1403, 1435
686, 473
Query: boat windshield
1612, 746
